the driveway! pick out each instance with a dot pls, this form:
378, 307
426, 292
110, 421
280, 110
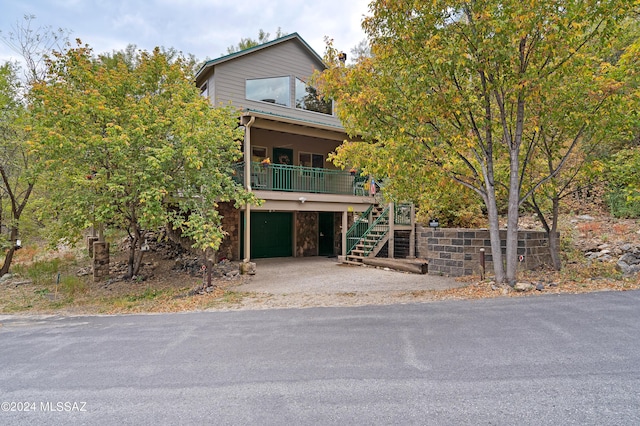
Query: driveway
321, 275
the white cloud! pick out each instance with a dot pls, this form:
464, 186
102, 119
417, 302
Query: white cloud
202, 27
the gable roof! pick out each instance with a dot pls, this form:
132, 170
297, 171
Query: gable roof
293, 36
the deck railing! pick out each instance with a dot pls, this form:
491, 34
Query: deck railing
357, 230
282, 177
402, 214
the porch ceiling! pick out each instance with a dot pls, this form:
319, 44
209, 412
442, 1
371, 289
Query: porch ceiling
299, 201
294, 126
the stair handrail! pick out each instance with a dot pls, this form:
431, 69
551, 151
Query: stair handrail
359, 227
376, 223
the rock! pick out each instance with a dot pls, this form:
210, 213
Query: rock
629, 264
626, 247
604, 246
522, 287
539, 286
233, 274
586, 217
630, 259
553, 284
248, 268
83, 272
5, 278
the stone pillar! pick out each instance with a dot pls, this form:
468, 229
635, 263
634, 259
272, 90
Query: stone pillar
100, 260
90, 241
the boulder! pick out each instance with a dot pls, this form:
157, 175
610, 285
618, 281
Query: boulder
524, 287
248, 268
629, 264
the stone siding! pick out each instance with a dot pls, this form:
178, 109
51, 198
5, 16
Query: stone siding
456, 251
306, 234
231, 217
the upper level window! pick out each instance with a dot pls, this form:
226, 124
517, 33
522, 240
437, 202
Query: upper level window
307, 98
274, 90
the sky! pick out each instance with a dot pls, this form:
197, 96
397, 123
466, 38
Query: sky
204, 28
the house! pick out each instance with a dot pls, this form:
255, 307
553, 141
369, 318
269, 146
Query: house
309, 204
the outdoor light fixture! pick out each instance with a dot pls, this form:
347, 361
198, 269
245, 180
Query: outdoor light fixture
18, 244
302, 199
433, 223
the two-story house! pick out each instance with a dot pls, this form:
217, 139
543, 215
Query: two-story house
289, 132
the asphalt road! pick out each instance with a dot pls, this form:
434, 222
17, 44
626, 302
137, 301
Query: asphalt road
568, 359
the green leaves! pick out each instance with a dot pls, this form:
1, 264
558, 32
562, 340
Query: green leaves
132, 144
468, 89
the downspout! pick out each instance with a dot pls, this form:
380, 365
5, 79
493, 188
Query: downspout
247, 185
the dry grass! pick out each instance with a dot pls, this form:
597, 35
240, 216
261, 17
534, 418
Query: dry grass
47, 282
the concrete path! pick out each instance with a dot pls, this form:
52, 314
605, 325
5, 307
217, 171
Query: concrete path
321, 275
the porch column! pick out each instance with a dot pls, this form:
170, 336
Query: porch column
412, 235
392, 232
247, 233
294, 242
247, 122
345, 228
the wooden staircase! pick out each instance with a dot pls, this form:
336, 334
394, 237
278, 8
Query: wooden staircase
373, 238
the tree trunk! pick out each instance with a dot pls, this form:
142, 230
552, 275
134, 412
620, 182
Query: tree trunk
512, 219
494, 234
7, 261
138, 262
135, 253
550, 230
9, 256
132, 254
553, 237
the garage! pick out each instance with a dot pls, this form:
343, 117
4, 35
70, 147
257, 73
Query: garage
271, 234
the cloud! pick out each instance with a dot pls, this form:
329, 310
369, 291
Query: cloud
204, 28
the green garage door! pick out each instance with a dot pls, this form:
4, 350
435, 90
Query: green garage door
271, 234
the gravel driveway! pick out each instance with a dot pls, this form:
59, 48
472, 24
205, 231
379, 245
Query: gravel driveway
321, 275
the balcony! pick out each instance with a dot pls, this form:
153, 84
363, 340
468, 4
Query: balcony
282, 177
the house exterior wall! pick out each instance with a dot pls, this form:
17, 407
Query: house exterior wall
456, 251
230, 246
288, 58
270, 126
299, 143
306, 224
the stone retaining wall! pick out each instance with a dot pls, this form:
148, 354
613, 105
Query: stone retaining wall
456, 251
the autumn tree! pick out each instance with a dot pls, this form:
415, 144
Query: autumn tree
130, 144
18, 175
16, 181
461, 84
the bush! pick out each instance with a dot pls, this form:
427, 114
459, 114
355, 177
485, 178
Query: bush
623, 197
621, 205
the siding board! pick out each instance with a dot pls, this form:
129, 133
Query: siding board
285, 59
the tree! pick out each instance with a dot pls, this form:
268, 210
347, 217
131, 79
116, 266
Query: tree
16, 181
131, 144
462, 85
247, 43
17, 172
